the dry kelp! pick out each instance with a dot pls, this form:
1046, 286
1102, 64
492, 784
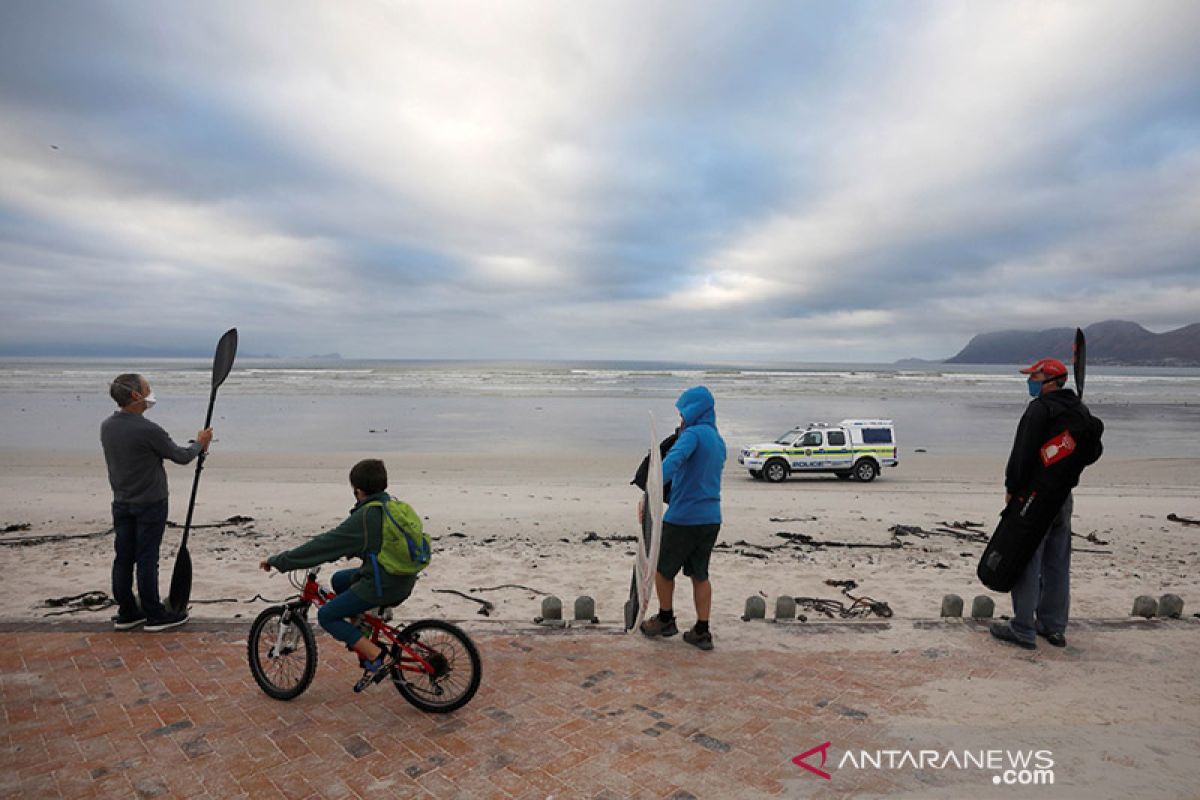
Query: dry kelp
957, 530
485, 607
859, 606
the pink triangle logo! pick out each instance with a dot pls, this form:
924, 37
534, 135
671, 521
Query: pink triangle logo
822, 748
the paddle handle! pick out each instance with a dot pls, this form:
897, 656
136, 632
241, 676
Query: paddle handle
187, 524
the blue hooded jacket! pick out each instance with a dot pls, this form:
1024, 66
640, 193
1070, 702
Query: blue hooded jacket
694, 464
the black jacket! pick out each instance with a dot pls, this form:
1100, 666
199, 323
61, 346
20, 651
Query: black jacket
1045, 417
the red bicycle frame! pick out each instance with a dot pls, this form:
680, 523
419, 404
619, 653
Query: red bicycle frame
314, 593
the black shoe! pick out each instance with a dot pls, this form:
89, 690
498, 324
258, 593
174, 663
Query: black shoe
127, 623
1005, 634
171, 620
702, 640
656, 627
1056, 639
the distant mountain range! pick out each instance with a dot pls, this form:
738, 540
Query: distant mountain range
1113, 342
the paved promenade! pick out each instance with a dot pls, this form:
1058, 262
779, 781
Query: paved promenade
569, 714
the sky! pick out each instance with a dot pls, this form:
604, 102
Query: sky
698, 181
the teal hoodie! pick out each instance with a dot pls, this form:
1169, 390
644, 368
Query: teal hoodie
693, 466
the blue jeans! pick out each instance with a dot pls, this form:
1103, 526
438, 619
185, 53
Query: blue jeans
332, 615
139, 531
1042, 597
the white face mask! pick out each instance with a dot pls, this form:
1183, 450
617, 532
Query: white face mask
149, 400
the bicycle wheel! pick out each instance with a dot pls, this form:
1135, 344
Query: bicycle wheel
282, 652
455, 662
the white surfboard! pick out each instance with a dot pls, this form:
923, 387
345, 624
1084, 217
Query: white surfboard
647, 553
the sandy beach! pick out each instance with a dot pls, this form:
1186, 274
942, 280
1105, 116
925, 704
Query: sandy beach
523, 519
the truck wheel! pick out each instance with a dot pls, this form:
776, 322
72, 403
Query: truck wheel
865, 470
756, 474
775, 470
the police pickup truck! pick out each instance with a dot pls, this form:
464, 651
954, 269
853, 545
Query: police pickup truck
853, 448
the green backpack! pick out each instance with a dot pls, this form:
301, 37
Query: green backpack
405, 548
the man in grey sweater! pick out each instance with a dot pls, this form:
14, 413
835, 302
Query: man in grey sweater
134, 449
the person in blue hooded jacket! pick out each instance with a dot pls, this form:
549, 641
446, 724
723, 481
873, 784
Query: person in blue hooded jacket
693, 519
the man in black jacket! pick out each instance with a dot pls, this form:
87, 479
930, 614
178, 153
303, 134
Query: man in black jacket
1041, 598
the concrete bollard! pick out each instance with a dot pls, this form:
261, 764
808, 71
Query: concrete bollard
1170, 606
585, 609
982, 607
952, 605
1144, 606
785, 607
756, 608
551, 609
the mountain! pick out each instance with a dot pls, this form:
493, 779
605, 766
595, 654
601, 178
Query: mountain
1114, 342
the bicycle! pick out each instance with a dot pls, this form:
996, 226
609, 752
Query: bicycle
433, 664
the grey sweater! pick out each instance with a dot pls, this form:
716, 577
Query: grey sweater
134, 449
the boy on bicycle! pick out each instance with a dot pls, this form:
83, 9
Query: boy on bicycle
387, 535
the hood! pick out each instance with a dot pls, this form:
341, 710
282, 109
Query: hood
697, 407
1061, 401
764, 446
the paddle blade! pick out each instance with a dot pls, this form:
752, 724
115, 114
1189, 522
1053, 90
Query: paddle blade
181, 582
1080, 360
223, 360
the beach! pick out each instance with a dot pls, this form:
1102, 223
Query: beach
499, 520
526, 494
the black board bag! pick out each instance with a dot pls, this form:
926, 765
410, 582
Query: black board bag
1027, 518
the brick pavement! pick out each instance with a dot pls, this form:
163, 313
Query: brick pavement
92, 713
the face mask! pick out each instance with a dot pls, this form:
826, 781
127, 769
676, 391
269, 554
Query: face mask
149, 400
1035, 387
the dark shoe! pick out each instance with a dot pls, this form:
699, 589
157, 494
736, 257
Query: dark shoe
1056, 639
701, 640
127, 623
171, 620
376, 665
656, 627
1005, 634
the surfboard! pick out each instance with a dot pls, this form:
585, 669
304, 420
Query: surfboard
641, 584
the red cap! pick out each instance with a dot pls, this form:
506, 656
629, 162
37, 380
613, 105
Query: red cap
1050, 367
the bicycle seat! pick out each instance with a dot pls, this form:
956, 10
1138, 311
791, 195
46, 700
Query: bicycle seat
383, 612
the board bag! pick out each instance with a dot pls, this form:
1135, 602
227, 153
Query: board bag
1025, 521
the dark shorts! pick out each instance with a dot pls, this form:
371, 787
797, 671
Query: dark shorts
687, 547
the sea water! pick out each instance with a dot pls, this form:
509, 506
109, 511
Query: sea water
522, 408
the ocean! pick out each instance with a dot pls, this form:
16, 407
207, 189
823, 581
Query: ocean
522, 408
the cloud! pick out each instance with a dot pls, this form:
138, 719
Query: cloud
776, 181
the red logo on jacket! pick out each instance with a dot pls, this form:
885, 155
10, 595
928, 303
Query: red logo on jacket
1057, 448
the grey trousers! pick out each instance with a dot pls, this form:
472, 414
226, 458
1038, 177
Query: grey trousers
1042, 597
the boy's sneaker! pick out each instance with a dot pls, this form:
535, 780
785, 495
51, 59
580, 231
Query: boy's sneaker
171, 620
376, 665
127, 623
702, 640
656, 627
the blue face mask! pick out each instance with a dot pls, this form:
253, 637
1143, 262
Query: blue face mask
1035, 387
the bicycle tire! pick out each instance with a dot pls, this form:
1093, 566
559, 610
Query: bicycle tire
259, 646
430, 693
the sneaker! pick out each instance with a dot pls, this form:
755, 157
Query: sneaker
1056, 639
127, 623
656, 627
1005, 634
373, 666
702, 640
171, 620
